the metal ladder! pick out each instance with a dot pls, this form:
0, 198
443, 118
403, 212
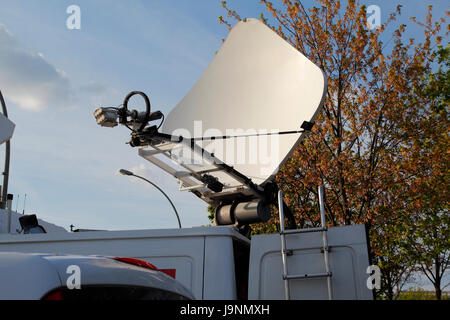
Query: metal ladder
284, 251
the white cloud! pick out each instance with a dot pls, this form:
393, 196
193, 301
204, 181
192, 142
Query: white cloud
97, 93
27, 79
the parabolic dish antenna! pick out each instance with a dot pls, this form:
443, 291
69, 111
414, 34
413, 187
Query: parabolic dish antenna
6, 129
256, 83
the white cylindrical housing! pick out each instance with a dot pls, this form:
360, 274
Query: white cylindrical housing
252, 212
224, 215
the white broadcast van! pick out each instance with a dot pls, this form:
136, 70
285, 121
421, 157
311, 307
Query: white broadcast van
220, 263
258, 90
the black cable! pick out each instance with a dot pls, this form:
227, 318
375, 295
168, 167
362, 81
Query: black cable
147, 108
162, 120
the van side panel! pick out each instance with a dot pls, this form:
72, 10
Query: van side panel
184, 254
201, 258
348, 258
219, 277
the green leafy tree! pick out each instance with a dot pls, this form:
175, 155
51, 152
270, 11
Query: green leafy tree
364, 142
395, 264
428, 238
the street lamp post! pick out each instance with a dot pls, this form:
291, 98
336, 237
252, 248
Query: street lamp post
129, 173
7, 157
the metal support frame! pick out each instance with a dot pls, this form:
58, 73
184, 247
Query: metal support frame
219, 164
191, 180
284, 250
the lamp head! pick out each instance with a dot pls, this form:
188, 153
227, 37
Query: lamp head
106, 117
126, 172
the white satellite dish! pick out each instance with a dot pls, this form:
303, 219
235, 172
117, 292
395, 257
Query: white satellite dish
6, 129
257, 87
257, 82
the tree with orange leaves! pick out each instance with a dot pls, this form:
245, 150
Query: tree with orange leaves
360, 148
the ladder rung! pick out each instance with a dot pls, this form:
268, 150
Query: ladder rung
304, 276
291, 231
290, 252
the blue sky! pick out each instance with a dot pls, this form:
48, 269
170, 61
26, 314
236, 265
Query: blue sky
61, 159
